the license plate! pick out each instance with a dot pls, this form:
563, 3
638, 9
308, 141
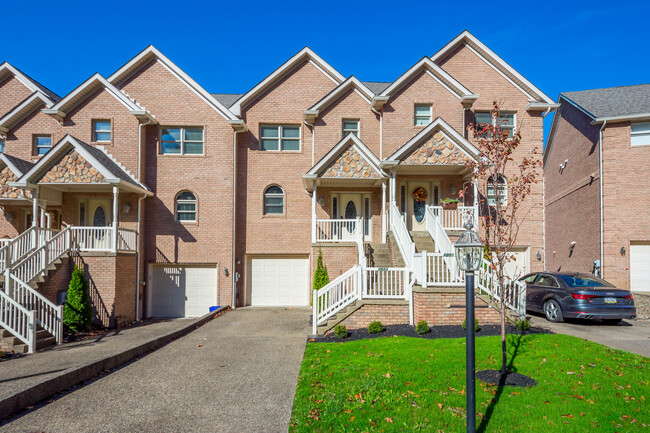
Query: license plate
610, 300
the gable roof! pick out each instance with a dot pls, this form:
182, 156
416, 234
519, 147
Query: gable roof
61, 109
16, 165
497, 63
283, 70
150, 54
227, 99
6, 69
375, 86
23, 109
612, 103
437, 125
331, 97
438, 74
112, 171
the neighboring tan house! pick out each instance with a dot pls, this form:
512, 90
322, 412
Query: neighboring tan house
176, 200
596, 177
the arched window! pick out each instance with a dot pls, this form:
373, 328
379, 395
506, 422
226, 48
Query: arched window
497, 189
273, 200
185, 207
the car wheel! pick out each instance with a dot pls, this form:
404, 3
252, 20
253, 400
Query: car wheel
611, 321
552, 311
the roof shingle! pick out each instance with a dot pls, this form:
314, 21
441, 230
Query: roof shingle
613, 101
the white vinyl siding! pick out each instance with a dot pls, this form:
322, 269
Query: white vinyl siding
279, 281
423, 114
183, 291
280, 138
640, 134
181, 141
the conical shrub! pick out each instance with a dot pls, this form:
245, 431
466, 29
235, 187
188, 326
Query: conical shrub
78, 312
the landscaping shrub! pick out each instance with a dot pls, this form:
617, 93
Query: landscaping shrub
321, 278
375, 327
522, 325
341, 331
476, 327
78, 312
422, 327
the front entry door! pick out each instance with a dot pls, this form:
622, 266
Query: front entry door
417, 206
350, 209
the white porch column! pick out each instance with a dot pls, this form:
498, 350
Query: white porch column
383, 212
116, 196
476, 225
43, 216
313, 213
392, 193
34, 208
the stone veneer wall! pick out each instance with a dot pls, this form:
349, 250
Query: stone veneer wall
350, 164
72, 168
7, 191
438, 150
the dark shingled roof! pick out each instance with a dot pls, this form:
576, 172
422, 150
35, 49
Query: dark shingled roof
50, 94
109, 163
376, 87
227, 99
21, 164
613, 101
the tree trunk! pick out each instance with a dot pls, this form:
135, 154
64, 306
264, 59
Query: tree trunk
504, 352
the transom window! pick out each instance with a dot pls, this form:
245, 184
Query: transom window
640, 134
350, 126
182, 141
506, 120
280, 137
273, 200
497, 189
42, 143
186, 207
423, 114
101, 130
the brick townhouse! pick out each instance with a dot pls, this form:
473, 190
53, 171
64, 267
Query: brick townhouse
175, 199
596, 177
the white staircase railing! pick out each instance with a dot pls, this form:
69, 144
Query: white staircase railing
385, 283
18, 320
513, 294
15, 249
441, 266
336, 295
402, 236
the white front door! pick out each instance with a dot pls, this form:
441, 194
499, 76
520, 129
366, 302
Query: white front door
278, 281
350, 210
639, 268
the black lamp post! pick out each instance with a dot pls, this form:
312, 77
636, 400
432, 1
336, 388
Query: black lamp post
469, 252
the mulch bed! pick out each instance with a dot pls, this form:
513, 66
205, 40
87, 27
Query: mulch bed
444, 331
493, 377
80, 336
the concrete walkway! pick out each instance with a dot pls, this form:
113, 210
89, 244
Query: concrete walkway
237, 373
29, 379
629, 335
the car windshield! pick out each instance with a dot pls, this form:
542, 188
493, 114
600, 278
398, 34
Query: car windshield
580, 281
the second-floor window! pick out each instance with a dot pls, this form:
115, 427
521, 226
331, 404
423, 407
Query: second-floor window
102, 130
280, 137
181, 140
42, 143
2, 145
640, 134
350, 126
506, 120
423, 114
497, 189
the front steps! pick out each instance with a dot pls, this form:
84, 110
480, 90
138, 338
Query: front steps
423, 242
43, 339
38, 282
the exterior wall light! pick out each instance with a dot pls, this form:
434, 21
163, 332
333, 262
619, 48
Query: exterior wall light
539, 255
126, 208
622, 251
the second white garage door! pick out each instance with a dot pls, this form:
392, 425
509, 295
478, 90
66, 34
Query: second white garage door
279, 281
640, 267
183, 291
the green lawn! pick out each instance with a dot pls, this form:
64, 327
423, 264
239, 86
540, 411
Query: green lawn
409, 384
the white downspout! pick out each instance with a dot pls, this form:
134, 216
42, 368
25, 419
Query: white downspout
313, 141
233, 301
138, 269
381, 131
140, 125
602, 217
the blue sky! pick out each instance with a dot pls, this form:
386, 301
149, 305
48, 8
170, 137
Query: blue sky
229, 46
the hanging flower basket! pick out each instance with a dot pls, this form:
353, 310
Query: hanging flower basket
420, 195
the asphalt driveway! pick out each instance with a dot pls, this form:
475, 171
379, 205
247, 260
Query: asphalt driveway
629, 335
237, 373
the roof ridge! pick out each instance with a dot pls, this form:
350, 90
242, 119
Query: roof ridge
606, 88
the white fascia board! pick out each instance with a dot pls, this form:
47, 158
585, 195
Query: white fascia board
623, 118
335, 94
21, 109
541, 106
11, 166
563, 97
492, 58
281, 71
118, 76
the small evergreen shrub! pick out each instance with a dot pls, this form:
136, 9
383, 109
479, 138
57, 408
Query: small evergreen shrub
321, 278
375, 327
341, 331
422, 327
522, 325
78, 312
476, 327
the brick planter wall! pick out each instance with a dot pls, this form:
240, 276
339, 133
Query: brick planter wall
448, 308
386, 314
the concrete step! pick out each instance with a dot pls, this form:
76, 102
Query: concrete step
423, 241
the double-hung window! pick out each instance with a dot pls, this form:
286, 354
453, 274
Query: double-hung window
280, 137
423, 114
505, 120
497, 190
640, 134
181, 141
350, 126
42, 143
102, 130
2, 145
186, 207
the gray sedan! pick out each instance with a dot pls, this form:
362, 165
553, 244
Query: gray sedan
561, 295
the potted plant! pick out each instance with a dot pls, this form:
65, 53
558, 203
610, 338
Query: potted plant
449, 203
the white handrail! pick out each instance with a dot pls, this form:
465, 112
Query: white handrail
18, 320
455, 219
92, 238
340, 292
514, 294
402, 236
443, 246
385, 283
126, 239
337, 230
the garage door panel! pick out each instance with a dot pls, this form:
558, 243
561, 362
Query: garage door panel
639, 267
183, 291
279, 281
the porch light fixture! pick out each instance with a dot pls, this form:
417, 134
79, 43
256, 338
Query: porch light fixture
225, 271
622, 251
469, 252
321, 202
539, 255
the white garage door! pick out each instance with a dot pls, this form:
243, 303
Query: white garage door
183, 291
279, 281
640, 267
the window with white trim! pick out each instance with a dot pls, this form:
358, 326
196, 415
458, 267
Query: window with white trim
350, 126
498, 189
42, 143
273, 200
102, 130
280, 137
186, 207
2, 145
423, 114
187, 140
640, 134
506, 120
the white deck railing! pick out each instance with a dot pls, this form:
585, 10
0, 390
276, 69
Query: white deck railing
336, 295
514, 294
338, 230
441, 266
385, 283
18, 320
92, 238
455, 219
126, 239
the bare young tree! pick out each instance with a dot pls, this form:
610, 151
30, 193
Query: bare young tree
504, 174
